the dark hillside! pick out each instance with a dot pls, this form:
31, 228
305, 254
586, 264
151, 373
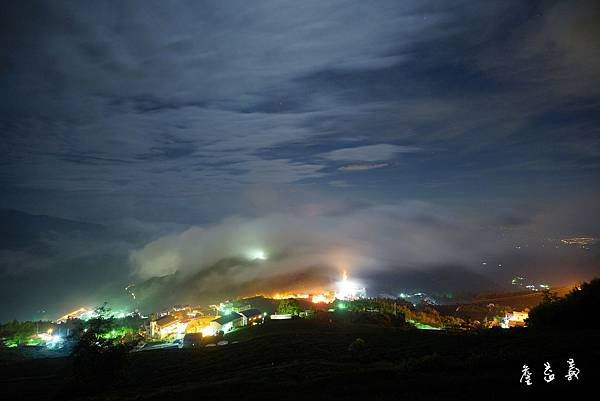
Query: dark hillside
299, 360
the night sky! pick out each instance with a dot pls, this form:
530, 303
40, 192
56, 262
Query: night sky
144, 138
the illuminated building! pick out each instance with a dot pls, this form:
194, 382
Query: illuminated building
198, 324
251, 317
226, 308
164, 327
286, 316
515, 319
227, 323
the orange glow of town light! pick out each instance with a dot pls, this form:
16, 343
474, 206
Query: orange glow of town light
325, 298
314, 296
290, 295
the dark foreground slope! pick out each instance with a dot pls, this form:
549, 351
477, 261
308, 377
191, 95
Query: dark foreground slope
310, 360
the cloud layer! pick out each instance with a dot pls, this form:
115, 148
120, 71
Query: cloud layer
136, 109
412, 236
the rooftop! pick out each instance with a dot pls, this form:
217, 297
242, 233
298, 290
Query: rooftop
251, 312
166, 321
228, 318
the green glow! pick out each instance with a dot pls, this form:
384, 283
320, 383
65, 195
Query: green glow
422, 326
116, 333
32, 341
341, 305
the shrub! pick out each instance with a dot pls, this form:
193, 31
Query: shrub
578, 309
357, 346
98, 357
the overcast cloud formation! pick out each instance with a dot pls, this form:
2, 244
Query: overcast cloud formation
371, 238
189, 113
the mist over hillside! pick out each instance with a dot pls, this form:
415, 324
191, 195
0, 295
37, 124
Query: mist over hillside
64, 264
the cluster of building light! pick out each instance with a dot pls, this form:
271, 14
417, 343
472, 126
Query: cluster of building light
520, 282
185, 319
514, 319
345, 289
87, 314
418, 297
581, 241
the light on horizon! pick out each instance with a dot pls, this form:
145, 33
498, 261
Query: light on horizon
348, 290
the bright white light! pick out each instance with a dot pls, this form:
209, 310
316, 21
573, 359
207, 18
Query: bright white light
208, 331
257, 254
349, 290
52, 341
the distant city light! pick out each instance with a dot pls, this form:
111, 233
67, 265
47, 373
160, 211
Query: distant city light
580, 241
86, 314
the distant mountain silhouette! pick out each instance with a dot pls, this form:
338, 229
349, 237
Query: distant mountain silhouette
23, 230
443, 279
